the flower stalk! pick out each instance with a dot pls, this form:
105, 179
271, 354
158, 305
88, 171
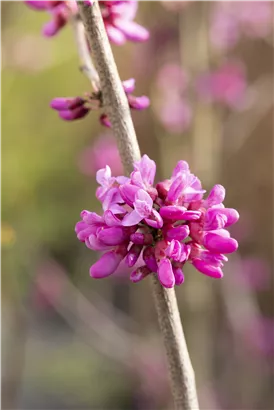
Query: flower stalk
117, 109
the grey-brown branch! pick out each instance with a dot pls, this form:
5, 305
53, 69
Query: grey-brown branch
180, 367
117, 108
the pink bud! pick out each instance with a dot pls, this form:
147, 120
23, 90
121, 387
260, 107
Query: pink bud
75, 114
208, 269
149, 258
128, 192
216, 196
108, 263
133, 254
69, 103
115, 235
155, 220
138, 103
139, 274
129, 85
165, 273
216, 243
60, 16
173, 212
178, 275
141, 238
105, 121
179, 232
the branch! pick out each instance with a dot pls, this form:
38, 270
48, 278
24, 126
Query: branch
180, 368
87, 66
116, 105
114, 98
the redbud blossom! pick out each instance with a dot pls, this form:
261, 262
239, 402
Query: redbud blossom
160, 229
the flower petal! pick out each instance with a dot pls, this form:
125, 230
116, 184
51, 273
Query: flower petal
165, 273
132, 218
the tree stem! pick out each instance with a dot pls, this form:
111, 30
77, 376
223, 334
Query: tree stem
180, 368
117, 108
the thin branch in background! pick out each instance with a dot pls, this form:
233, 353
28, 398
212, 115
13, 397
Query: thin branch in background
242, 126
87, 66
114, 98
116, 105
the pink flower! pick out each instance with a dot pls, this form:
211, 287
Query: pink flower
102, 152
226, 85
60, 12
73, 108
161, 228
118, 17
255, 272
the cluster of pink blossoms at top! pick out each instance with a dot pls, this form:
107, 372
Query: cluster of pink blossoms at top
165, 226
118, 17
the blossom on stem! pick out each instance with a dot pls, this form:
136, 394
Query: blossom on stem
165, 226
118, 18
73, 108
60, 12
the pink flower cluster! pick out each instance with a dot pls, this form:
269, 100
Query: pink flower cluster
118, 17
73, 108
167, 225
231, 19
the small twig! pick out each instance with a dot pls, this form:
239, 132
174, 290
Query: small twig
87, 66
114, 98
116, 106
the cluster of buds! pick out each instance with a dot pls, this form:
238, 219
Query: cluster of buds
118, 17
162, 227
73, 108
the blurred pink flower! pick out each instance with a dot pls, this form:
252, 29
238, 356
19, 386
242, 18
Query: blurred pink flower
231, 19
256, 18
226, 85
171, 105
254, 272
102, 152
260, 334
